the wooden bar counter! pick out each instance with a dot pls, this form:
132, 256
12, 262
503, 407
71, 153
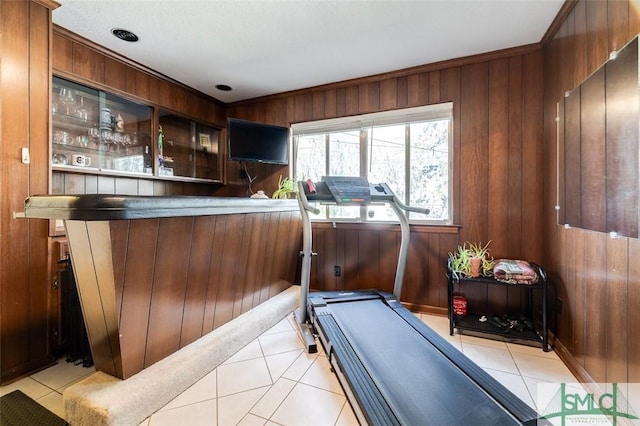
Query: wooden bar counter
156, 273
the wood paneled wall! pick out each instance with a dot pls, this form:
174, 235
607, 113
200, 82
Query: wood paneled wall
498, 169
24, 86
596, 276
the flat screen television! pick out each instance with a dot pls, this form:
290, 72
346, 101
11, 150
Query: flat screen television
257, 142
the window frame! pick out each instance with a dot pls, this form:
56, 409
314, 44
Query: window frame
365, 122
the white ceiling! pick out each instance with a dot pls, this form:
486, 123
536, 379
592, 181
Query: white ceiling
261, 47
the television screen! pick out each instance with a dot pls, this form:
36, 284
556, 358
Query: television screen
257, 142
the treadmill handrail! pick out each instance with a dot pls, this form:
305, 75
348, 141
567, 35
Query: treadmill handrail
302, 197
414, 209
306, 253
405, 234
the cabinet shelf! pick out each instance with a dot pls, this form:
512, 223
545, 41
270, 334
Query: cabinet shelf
472, 323
98, 171
92, 148
536, 334
72, 123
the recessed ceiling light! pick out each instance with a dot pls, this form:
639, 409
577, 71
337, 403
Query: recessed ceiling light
125, 35
223, 87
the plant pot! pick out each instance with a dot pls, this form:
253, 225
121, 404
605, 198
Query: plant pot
476, 267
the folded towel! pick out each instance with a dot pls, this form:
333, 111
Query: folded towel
514, 272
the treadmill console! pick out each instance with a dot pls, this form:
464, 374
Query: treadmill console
347, 190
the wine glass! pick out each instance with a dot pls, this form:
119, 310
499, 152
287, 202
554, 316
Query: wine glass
81, 111
106, 139
67, 98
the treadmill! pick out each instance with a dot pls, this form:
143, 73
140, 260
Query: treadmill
394, 369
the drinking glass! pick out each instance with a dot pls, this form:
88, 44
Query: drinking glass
67, 98
82, 112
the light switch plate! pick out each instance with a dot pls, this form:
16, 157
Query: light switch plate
25, 156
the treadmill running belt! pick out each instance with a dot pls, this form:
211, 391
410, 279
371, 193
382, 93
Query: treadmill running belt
420, 384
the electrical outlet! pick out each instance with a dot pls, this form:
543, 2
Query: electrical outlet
337, 271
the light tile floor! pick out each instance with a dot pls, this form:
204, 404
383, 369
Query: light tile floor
273, 381
47, 386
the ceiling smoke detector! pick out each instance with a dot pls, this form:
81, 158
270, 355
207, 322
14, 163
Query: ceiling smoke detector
125, 35
223, 87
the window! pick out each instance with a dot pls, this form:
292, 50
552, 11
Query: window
408, 149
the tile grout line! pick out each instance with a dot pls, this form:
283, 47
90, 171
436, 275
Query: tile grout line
524, 382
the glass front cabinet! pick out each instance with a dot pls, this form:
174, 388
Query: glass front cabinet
187, 148
94, 131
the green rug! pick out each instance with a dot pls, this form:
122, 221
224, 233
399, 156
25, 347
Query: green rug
17, 409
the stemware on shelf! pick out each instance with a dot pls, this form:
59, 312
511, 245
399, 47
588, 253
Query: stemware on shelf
81, 111
67, 98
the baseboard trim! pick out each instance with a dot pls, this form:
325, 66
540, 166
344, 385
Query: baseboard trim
425, 309
567, 358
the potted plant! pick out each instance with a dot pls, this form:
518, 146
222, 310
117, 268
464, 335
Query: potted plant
287, 188
472, 260
479, 257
